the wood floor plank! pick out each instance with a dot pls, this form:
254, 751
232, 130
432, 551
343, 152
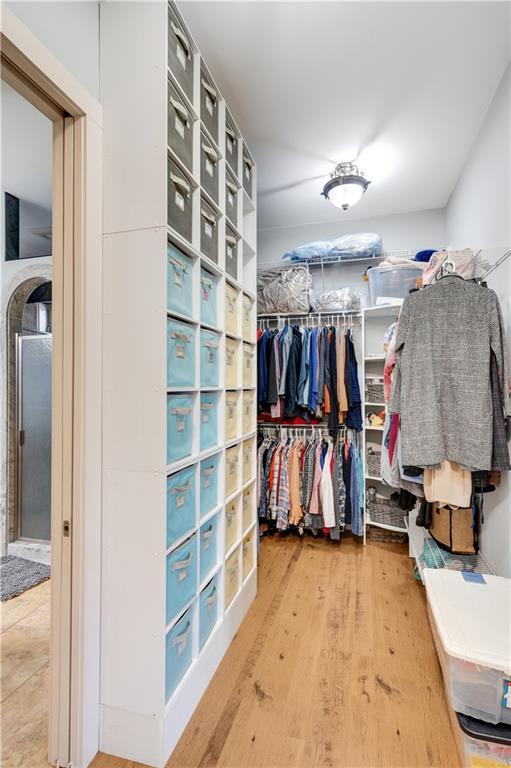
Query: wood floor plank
24, 729
25, 649
12, 611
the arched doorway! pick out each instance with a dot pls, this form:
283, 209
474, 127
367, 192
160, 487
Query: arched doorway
27, 372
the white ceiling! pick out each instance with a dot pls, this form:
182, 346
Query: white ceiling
314, 83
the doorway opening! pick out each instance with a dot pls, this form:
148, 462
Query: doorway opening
26, 426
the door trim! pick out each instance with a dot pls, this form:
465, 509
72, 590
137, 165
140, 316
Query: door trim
76, 387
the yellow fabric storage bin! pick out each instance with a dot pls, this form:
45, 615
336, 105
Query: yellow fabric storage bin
232, 523
232, 577
248, 553
232, 302
232, 415
248, 313
249, 500
231, 362
232, 470
248, 459
249, 360
248, 417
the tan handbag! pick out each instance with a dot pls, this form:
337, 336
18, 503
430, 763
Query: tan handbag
453, 529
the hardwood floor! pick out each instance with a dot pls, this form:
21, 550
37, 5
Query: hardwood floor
334, 666
25, 647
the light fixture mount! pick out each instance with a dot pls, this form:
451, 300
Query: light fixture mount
346, 185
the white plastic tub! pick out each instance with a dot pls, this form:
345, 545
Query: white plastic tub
471, 624
392, 282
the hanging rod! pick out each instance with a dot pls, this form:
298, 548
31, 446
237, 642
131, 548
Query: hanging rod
333, 313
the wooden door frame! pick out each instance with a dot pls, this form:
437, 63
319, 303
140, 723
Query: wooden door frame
76, 387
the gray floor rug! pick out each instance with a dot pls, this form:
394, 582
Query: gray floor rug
17, 575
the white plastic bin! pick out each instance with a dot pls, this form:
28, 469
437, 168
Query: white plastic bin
392, 282
471, 622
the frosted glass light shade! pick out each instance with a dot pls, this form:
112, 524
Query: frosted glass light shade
345, 195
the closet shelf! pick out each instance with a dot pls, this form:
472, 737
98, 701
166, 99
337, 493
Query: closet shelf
373, 477
328, 260
396, 528
375, 405
373, 429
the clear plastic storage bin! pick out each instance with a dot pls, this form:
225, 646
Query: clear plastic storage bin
481, 745
392, 282
470, 621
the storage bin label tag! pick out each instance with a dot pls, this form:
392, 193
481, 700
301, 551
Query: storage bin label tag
178, 277
180, 201
208, 229
229, 252
180, 501
230, 198
506, 699
209, 167
230, 145
205, 417
211, 356
209, 104
182, 574
180, 128
180, 350
180, 426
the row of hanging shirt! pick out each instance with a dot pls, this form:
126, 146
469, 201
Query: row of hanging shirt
309, 371
310, 481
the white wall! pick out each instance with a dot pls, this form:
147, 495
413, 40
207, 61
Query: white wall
479, 215
408, 231
70, 30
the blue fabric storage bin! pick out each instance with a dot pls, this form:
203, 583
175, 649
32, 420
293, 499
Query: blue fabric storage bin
208, 420
181, 506
178, 652
208, 286
179, 426
209, 352
208, 610
180, 354
209, 484
179, 281
208, 548
181, 577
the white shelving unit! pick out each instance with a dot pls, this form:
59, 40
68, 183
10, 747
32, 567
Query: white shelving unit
142, 715
375, 321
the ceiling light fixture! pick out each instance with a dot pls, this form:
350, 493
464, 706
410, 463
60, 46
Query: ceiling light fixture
346, 186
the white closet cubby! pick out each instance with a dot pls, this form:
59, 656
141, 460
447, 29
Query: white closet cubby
179, 416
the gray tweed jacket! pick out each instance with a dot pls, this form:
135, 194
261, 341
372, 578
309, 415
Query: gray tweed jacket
441, 382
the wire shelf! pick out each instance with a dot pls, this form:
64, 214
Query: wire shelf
328, 260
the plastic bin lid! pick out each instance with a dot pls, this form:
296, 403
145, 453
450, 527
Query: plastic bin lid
415, 265
472, 614
500, 733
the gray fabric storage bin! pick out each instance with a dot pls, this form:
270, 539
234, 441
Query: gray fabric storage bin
231, 198
248, 167
209, 168
231, 145
209, 106
231, 253
179, 201
180, 53
209, 231
179, 128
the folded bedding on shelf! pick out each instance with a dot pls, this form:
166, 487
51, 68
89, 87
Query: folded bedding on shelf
355, 246
283, 291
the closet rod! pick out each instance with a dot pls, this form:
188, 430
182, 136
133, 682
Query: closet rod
333, 313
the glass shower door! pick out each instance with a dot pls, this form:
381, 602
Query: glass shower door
34, 424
